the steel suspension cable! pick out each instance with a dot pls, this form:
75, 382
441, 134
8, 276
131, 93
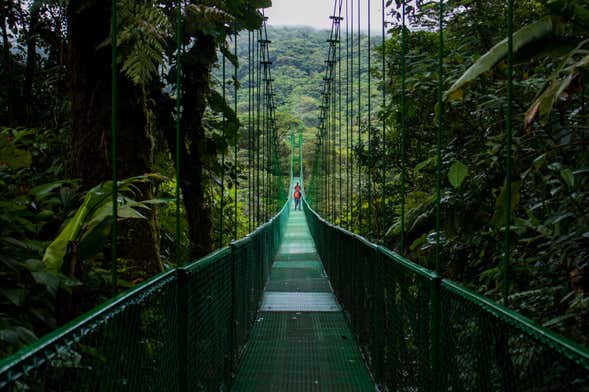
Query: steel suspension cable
113, 141
439, 131
250, 146
369, 122
264, 108
508, 137
359, 54
333, 138
257, 136
384, 143
339, 122
403, 126
178, 118
235, 146
349, 102
223, 124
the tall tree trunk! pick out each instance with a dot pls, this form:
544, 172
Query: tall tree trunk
7, 60
90, 84
30, 65
195, 90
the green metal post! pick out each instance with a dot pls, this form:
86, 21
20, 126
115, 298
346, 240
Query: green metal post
182, 330
250, 146
436, 313
235, 146
403, 126
359, 122
508, 133
351, 99
339, 122
178, 117
301, 156
113, 123
221, 217
369, 122
257, 136
349, 119
384, 143
182, 287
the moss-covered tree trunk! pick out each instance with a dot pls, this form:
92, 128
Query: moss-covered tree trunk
90, 87
195, 91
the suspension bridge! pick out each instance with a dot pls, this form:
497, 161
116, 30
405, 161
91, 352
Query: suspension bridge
300, 303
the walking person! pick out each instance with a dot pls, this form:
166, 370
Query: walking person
297, 197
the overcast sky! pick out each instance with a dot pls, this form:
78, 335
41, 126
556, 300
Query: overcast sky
316, 13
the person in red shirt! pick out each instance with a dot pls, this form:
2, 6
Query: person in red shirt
297, 196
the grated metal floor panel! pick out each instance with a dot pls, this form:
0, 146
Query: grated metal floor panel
301, 340
302, 351
299, 302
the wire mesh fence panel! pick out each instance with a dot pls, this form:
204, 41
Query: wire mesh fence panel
182, 330
403, 315
407, 326
488, 348
128, 344
209, 286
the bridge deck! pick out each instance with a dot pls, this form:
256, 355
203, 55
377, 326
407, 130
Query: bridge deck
301, 340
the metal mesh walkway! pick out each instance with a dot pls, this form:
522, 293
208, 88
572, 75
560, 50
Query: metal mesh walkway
301, 340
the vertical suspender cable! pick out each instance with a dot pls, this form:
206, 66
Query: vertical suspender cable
508, 133
250, 146
436, 310
359, 122
349, 119
351, 75
235, 147
369, 122
257, 136
178, 117
339, 122
262, 125
439, 132
223, 123
334, 132
113, 135
384, 143
403, 126
249, 124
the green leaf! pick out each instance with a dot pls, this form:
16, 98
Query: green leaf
526, 35
16, 296
48, 279
558, 85
568, 177
498, 219
457, 173
55, 252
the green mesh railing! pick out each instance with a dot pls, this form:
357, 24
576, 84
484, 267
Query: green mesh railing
481, 346
181, 330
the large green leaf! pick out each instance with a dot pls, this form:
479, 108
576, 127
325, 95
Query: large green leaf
560, 83
55, 252
498, 219
533, 32
457, 173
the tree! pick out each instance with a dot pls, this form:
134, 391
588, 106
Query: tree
90, 93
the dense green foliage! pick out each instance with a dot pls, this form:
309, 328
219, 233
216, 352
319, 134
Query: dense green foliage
55, 164
55, 145
548, 272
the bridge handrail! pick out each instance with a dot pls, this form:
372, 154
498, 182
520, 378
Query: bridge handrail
374, 284
156, 314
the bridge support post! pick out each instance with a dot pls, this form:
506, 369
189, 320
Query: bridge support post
182, 320
436, 371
